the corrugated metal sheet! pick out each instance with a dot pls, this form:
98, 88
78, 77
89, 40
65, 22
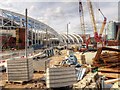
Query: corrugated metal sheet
80, 73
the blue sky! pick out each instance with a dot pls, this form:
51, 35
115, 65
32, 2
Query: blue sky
57, 13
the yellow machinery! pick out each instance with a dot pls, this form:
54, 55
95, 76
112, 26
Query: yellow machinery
98, 38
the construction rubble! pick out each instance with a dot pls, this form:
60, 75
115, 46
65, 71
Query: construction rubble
68, 72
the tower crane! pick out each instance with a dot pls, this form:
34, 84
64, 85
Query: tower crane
98, 38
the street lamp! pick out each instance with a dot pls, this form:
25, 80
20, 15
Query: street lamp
67, 33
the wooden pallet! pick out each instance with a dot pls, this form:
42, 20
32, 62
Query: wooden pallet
40, 72
17, 82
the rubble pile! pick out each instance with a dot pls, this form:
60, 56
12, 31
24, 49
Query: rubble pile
90, 80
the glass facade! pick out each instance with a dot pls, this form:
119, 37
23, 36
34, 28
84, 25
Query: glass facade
11, 21
111, 31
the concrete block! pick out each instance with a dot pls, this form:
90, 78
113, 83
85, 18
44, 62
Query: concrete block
60, 77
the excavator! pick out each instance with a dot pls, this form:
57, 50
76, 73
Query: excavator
98, 38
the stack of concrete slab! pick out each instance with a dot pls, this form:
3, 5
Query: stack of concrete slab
60, 77
20, 69
40, 64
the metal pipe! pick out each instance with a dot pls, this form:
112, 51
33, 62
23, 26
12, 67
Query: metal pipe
102, 83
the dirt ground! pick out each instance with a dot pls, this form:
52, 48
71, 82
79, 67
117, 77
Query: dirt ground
38, 80
57, 58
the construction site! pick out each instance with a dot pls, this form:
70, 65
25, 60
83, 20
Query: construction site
34, 55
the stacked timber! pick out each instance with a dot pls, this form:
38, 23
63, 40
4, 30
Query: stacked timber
20, 70
109, 72
60, 77
109, 60
109, 64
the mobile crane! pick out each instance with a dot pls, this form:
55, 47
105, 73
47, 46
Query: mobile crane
81, 17
82, 23
98, 38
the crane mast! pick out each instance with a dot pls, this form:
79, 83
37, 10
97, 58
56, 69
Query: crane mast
81, 17
93, 20
98, 38
103, 25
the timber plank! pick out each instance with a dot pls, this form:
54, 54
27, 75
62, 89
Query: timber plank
108, 70
110, 75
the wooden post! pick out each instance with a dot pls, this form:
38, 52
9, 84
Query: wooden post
83, 60
26, 37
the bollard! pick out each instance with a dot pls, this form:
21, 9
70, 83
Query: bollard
52, 52
47, 52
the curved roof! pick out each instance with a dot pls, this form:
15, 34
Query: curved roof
76, 38
18, 20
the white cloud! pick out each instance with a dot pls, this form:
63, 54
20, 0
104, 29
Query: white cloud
43, 19
53, 12
58, 10
66, 1
58, 14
